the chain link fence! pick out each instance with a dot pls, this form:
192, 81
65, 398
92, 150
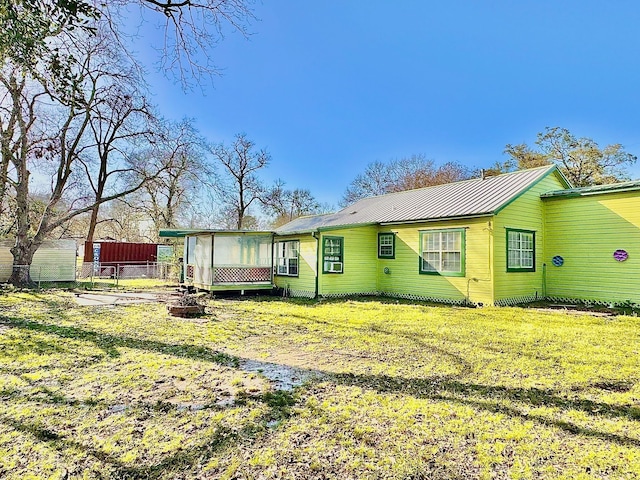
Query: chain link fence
91, 274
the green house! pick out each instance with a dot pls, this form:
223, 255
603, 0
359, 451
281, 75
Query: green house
496, 240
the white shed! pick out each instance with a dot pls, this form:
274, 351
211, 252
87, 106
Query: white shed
54, 261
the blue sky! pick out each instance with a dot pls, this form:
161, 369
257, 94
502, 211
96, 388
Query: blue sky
328, 87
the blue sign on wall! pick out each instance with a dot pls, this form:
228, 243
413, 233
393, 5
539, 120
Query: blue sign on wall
96, 257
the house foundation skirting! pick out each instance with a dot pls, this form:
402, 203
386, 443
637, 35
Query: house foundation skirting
347, 295
588, 302
506, 302
404, 296
427, 298
299, 293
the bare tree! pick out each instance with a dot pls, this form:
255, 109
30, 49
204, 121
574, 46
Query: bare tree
402, 174
192, 29
48, 132
113, 128
187, 174
284, 205
120, 118
122, 221
240, 163
22, 140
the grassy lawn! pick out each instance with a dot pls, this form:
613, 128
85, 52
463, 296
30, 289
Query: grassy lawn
390, 390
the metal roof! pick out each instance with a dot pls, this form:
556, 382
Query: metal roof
183, 232
594, 189
468, 198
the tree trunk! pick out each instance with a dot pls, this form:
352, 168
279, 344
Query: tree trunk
24, 247
22, 258
92, 230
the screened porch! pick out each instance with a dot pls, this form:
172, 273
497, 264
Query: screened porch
229, 260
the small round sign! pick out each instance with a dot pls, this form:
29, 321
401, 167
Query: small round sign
557, 260
620, 255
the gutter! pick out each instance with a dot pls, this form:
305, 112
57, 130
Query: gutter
439, 219
346, 225
398, 222
574, 194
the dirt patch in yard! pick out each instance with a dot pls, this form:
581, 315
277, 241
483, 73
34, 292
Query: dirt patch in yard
281, 376
124, 298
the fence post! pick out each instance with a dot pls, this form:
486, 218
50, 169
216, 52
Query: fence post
117, 273
39, 275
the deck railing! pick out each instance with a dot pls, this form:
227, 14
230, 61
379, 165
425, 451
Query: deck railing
243, 274
229, 274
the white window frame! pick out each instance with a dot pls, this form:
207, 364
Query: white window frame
439, 251
288, 258
386, 240
521, 250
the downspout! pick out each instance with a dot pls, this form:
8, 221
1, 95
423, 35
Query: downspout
544, 250
490, 256
313, 234
492, 279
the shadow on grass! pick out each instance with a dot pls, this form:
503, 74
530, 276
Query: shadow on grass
110, 343
409, 336
312, 302
490, 398
178, 462
181, 461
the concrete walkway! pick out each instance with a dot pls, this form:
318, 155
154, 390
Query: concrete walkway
119, 298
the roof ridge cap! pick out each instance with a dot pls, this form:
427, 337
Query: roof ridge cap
475, 179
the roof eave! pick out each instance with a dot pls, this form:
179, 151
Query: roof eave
296, 232
585, 191
552, 169
184, 232
439, 219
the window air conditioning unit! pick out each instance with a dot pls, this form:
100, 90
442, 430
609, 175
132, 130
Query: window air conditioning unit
335, 267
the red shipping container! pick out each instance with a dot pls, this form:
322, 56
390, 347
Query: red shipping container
122, 252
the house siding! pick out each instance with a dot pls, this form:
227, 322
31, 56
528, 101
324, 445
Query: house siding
304, 285
404, 279
359, 275
525, 213
585, 231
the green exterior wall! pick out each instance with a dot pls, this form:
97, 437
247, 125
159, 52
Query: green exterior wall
585, 231
304, 285
526, 212
405, 280
360, 263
